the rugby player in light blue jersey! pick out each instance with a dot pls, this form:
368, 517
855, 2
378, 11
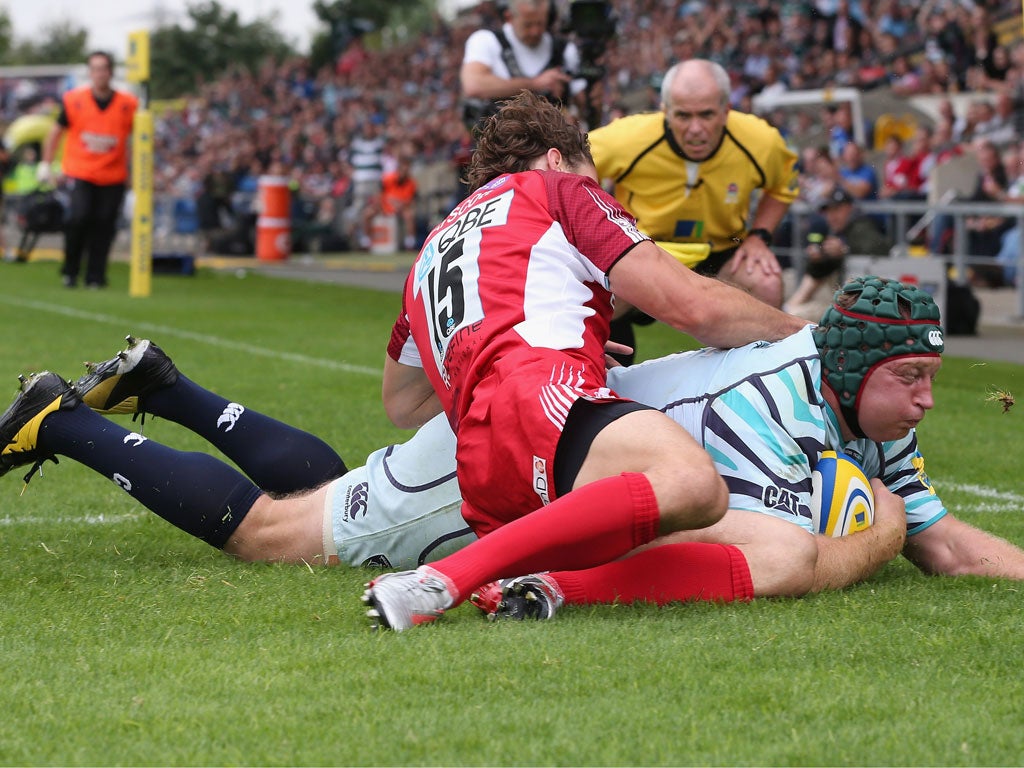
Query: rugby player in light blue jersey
859, 382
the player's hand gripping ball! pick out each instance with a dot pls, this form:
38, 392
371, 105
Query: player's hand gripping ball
841, 497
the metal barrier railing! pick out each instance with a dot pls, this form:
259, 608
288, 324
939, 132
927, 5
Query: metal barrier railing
176, 223
898, 214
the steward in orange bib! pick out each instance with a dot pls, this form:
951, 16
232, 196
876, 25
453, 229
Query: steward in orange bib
397, 198
98, 123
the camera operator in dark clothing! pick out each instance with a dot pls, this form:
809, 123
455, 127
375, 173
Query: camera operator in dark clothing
521, 55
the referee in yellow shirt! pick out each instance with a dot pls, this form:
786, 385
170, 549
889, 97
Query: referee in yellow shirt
690, 173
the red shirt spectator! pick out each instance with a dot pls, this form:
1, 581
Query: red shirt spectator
900, 173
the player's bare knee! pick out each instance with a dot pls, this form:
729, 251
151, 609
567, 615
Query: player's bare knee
247, 541
694, 499
244, 547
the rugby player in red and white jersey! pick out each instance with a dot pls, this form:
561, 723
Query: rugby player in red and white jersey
504, 321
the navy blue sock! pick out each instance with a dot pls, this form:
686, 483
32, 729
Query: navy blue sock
277, 457
193, 491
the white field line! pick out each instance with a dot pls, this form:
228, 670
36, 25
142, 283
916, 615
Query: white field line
157, 331
8, 521
983, 499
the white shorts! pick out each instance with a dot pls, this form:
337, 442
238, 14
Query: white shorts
400, 510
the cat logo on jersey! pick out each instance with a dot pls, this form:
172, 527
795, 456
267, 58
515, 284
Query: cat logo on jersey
774, 497
732, 194
918, 463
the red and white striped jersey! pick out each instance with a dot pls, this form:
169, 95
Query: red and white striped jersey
520, 263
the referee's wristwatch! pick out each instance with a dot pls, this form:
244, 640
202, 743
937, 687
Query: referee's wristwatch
764, 234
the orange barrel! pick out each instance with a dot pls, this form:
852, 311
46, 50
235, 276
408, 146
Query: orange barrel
384, 234
273, 227
274, 197
273, 238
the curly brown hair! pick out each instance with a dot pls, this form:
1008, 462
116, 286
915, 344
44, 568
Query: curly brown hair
524, 128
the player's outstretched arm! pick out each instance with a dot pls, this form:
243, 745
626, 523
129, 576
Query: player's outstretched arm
714, 313
409, 399
951, 547
787, 561
847, 560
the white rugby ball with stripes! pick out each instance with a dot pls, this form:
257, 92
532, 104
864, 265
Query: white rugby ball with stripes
841, 497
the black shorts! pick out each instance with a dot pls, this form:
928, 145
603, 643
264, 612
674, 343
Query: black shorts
713, 264
585, 420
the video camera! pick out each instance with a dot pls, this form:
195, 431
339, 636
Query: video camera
592, 25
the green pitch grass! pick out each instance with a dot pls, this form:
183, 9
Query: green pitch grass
125, 642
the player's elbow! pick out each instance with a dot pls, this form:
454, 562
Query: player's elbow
793, 564
398, 416
407, 395
406, 412
413, 408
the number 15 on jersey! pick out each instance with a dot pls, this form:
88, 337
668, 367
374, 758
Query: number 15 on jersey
447, 274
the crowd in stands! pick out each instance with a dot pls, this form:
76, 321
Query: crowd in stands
336, 132
904, 170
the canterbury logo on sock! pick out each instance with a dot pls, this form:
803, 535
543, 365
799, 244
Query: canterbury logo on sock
231, 414
134, 438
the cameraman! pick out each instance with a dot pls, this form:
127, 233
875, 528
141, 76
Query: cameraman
521, 55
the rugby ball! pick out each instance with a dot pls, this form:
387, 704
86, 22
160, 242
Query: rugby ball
841, 497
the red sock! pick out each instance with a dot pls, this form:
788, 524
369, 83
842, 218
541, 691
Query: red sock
670, 573
594, 524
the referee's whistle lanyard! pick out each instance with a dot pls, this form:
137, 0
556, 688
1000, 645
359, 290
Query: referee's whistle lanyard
693, 179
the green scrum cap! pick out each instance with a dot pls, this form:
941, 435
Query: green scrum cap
886, 319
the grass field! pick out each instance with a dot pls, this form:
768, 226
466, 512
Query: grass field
125, 642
